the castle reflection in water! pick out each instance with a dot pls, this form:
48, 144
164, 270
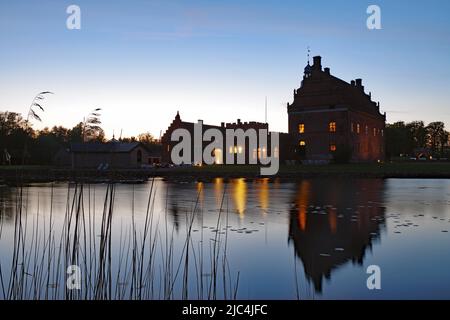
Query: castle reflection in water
331, 221
329, 236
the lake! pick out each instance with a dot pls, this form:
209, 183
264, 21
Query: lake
244, 239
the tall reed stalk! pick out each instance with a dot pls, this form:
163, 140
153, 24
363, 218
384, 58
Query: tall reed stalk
143, 260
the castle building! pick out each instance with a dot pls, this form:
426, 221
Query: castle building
331, 119
255, 154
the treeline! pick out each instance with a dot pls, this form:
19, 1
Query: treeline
415, 138
20, 143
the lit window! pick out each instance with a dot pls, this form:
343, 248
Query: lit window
168, 148
332, 147
332, 126
367, 130
358, 128
239, 149
302, 143
382, 132
217, 156
231, 149
276, 152
374, 132
301, 128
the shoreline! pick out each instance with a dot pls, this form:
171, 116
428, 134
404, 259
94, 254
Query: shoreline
36, 174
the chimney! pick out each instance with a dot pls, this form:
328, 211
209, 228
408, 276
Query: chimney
359, 84
327, 71
239, 121
222, 124
352, 83
317, 63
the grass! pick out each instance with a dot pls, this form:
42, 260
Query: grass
143, 261
374, 170
411, 168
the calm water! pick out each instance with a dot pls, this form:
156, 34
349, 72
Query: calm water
313, 239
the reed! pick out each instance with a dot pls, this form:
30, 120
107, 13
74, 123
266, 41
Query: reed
140, 257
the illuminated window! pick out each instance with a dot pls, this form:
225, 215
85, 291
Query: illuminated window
382, 132
301, 128
276, 152
264, 154
302, 143
367, 130
231, 149
358, 128
374, 132
217, 156
168, 148
332, 126
239, 149
332, 147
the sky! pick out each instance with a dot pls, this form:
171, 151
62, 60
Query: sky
217, 60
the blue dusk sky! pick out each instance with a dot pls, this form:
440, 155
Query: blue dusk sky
141, 61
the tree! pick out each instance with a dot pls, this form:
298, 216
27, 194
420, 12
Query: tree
418, 134
436, 136
75, 134
397, 139
146, 138
14, 134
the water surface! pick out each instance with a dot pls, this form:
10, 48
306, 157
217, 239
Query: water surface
313, 239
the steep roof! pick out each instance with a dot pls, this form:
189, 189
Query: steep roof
98, 147
320, 89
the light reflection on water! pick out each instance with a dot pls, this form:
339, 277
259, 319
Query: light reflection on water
311, 239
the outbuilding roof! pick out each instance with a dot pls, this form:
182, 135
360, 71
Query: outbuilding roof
98, 147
